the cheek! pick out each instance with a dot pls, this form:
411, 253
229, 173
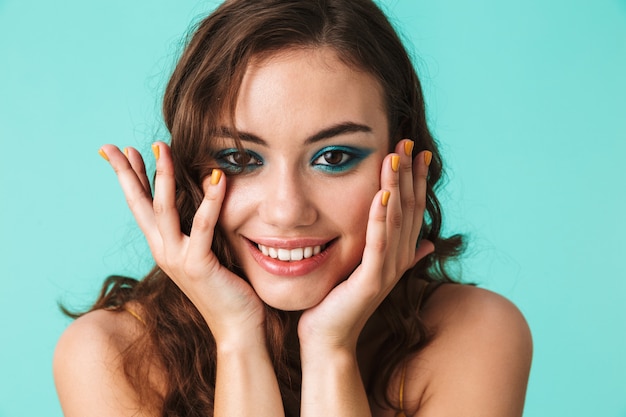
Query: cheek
350, 206
234, 206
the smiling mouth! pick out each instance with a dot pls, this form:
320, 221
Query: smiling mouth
291, 255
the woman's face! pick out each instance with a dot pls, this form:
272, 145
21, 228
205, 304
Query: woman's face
315, 133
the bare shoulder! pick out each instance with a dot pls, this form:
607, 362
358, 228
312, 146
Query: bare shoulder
479, 359
467, 309
87, 366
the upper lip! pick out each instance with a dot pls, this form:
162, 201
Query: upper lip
289, 243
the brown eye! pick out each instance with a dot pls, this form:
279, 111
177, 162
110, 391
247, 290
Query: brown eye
338, 159
334, 157
234, 161
240, 158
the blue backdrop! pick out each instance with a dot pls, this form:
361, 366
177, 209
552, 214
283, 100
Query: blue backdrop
528, 100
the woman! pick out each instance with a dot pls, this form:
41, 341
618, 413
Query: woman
297, 236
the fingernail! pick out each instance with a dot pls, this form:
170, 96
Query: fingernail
385, 198
126, 152
428, 156
395, 163
156, 150
103, 154
408, 147
216, 174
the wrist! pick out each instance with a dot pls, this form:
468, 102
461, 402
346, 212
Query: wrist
324, 355
241, 343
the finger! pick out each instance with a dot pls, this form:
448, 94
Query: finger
376, 241
138, 200
136, 162
205, 219
420, 186
164, 203
407, 198
390, 181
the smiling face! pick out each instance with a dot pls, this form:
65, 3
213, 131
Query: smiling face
315, 133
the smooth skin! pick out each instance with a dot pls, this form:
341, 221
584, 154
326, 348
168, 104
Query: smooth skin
479, 359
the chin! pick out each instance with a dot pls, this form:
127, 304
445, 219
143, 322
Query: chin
293, 300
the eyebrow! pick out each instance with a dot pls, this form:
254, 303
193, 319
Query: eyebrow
330, 132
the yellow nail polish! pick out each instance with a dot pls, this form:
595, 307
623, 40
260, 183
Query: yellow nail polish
395, 163
408, 147
216, 175
103, 154
385, 198
428, 156
156, 150
126, 152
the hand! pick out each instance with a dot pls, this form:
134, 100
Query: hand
391, 238
229, 305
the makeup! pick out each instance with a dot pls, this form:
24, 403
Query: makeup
337, 159
156, 150
395, 163
428, 156
103, 154
408, 148
216, 175
385, 198
236, 161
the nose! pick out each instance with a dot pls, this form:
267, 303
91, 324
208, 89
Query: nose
287, 203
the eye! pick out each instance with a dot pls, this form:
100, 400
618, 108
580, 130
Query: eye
234, 161
333, 158
339, 158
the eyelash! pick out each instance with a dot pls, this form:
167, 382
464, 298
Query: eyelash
227, 159
349, 158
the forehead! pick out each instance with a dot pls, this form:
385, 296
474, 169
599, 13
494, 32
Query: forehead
312, 86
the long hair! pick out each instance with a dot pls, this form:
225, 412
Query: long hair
203, 89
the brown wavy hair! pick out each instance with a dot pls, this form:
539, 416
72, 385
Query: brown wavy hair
202, 90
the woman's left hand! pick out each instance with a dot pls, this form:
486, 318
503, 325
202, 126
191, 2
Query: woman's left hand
394, 224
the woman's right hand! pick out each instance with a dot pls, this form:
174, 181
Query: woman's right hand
228, 303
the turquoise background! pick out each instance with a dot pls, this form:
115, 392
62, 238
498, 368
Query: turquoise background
527, 98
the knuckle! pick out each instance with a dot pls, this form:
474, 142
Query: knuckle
396, 220
409, 203
120, 170
211, 195
380, 217
131, 202
379, 245
162, 172
422, 176
201, 222
158, 207
420, 205
161, 208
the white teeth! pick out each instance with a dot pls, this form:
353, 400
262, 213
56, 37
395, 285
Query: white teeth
285, 255
297, 254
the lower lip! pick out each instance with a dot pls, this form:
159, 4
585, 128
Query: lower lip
290, 268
